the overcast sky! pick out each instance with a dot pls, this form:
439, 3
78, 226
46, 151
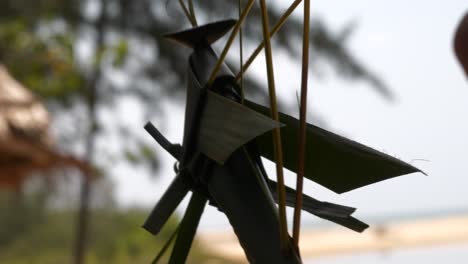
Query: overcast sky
408, 44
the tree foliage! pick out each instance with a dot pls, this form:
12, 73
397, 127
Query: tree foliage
50, 47
30, 233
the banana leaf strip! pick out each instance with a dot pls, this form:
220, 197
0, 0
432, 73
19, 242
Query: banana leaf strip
171, 198
338, 214
333, 161
193, 110
202, 35
252, 213
227, 125
315, 206
174, 149
188, 228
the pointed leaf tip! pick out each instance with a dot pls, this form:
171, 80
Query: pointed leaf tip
206, 34
333, 161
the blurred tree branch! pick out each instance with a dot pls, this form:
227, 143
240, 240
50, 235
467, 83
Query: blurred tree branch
50, 46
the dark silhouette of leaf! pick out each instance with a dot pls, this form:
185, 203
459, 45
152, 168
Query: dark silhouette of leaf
166, 206
188, 228
338, 214
226, 125
333, 161
205, 35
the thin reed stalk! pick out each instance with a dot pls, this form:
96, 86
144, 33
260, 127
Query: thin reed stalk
276, 132
241, 53
187, 13
275, 29
234, 32
302, 123
192, 13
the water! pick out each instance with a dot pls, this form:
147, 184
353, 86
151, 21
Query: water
453, 254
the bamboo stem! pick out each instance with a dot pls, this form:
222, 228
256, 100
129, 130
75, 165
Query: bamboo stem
276, 132
302, 123
275, 29
236, 29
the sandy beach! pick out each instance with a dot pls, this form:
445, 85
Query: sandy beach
336, 241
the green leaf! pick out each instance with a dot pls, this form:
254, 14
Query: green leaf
130, 156
147, 152
120, 53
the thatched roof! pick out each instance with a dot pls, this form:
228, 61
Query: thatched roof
20, 110
25, 142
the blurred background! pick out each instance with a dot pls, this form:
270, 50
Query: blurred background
79, 79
